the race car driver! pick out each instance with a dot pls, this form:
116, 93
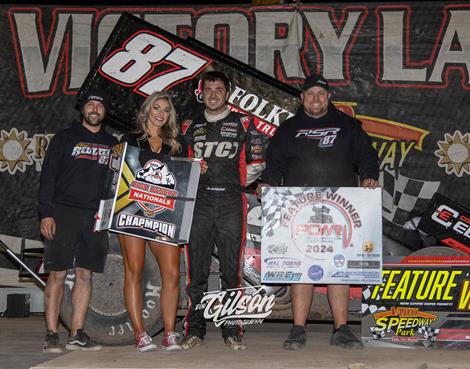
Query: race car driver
234, 151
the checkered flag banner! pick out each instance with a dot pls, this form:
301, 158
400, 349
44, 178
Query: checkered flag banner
402, 195
428, 332
275, 200
366, 308
377, 333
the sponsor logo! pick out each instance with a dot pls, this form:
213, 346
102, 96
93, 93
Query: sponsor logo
219, 149
277, 249
315, 272
340, 275
365, 273
454, 153
451, 219
339, 260
257, 149
228, 134
92, 151
199, 138
281, 276
228, 129
267, 113
404, 322
257, 141
326, 136
234, 307
153, 188
126, 220
362, 255
199, 132
282, 262
363, 264
368, 247
245, 120
329, 228
230, 124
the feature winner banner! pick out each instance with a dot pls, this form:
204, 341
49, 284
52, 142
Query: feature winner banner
423, 301
321, 235
151, 197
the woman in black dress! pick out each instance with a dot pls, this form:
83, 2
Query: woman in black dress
157, 133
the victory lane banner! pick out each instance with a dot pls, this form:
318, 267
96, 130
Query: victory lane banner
423, 301
321, 235
150, 196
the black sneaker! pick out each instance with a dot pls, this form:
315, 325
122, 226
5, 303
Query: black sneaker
52, 343
190, 342
296, 338
81, 341
346, 338
235, 343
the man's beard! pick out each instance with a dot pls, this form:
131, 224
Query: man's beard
94, 123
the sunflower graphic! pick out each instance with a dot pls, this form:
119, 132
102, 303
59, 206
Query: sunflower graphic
15, 153
454, 153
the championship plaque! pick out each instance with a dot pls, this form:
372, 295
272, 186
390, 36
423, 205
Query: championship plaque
321, 235
150, 195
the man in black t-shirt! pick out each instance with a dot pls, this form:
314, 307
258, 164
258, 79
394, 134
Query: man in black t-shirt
72, 184
320, 147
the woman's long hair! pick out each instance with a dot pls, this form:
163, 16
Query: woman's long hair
169, 132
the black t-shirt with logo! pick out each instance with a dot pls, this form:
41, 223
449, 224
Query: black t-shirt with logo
327, 152
74, 169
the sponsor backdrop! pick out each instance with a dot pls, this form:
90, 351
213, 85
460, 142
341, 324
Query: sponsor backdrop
402, 69
419, 306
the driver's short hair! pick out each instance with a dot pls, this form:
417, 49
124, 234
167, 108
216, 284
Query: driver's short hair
216, 76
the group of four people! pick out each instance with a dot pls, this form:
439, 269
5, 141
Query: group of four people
72, 185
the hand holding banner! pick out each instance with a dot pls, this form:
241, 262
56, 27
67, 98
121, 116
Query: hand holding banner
321, 235
152, 199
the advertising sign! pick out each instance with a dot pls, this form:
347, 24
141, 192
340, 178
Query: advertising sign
423, 301
448, 222
321, 235
151, 197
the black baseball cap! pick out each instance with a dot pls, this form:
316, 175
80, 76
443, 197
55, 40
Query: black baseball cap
315, 80
95, 95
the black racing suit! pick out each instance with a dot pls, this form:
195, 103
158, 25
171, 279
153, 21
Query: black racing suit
234, 150
325, 152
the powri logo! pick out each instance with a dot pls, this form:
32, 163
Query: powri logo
234, 307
